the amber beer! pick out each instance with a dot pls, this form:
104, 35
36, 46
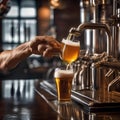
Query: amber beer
63, 80
70, 50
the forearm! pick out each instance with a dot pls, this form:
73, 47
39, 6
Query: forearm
10, 58
40, 45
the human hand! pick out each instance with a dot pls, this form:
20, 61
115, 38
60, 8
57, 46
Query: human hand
46, 46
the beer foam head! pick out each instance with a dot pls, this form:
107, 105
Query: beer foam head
59, 73
71, 43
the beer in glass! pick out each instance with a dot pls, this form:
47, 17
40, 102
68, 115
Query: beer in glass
70, 50
63, 80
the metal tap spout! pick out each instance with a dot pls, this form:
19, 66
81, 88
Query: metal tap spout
75, 32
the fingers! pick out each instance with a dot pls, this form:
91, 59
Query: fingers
48, 40
45, 45
41, 49
45, 40
50, 52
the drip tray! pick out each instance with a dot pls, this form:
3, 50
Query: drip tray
90, 101
96, 102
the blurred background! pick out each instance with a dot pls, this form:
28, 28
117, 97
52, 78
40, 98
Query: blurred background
28, 18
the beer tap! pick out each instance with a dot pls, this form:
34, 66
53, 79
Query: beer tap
82, 75
77, 31
95, 60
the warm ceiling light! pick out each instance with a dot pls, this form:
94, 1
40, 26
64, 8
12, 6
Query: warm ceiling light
44, 13
60, 4
55, 3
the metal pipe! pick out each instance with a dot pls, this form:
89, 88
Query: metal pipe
113, 83
77, 31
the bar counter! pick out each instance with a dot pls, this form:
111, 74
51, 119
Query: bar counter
23, 99
19, 101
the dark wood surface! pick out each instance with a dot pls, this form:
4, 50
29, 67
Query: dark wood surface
20, 101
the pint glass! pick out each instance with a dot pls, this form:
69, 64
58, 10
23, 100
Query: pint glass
63, 80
